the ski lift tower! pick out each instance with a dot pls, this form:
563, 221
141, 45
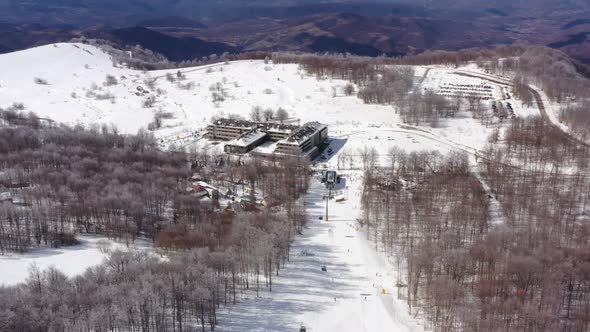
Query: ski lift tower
331, 177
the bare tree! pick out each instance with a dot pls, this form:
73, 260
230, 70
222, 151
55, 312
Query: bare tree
256, 113
268, 114
349, 89
40, 81
110, 80
170, 78
282, 114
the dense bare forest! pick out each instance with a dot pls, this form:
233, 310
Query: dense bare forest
468, 267
70, 181
577, 117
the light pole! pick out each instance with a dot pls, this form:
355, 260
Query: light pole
330, 182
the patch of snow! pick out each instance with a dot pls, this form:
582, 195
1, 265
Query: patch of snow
71, 260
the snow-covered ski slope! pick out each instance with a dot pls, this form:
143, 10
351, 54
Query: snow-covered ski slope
72, 70
355, 293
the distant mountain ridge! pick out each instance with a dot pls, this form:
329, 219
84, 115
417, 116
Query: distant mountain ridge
174, 48
171, 22
191, 28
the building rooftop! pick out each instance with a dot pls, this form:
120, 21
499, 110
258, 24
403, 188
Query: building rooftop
277, 127
305, 131
264, 126
247, 138
234, 123
266, 147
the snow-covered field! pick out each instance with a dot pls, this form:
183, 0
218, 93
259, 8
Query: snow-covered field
76, 73
347, 297
14, 268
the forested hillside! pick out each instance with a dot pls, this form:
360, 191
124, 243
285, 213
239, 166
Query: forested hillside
74, 180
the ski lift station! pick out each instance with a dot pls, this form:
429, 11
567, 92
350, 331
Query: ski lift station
329, 178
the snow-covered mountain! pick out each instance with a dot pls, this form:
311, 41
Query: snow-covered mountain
68, 83
335, 280
71, 70
52, 81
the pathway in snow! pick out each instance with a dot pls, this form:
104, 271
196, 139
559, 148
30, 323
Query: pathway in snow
347, 297
496, 211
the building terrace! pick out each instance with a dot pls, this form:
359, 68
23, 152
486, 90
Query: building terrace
229, 129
